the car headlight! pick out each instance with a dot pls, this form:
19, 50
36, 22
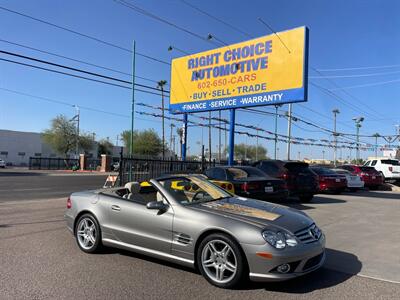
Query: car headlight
279, 240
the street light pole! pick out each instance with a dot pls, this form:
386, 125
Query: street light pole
132, 106
335, 112
257, 145
219, 136
276, 129
289, 132
358, 121
376, 135
209, 138
77, 116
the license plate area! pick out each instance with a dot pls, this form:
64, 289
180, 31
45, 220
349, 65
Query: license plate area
337, 180
269, 189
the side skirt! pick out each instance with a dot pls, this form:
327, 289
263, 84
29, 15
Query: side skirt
149, 252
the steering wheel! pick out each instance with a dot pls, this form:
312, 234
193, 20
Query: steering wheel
197, 194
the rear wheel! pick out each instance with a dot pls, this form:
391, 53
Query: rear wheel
220, 261
306, 198
383, 177
87, 234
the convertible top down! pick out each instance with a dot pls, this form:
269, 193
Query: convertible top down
191, 221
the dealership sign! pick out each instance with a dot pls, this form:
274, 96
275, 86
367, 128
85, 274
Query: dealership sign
264, 71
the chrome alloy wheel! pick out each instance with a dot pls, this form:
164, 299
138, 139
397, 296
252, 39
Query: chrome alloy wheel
219, 261
86, 233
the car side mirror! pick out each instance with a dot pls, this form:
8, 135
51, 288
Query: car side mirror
158, 205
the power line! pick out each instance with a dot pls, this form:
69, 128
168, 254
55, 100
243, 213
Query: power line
76, 70
354, 75
155, 17
77, 60
73, 105
216, 19
83, 35
364, 85
76, 76
359, 68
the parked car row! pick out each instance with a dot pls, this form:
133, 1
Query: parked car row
276, 179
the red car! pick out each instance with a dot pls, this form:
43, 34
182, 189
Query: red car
329, 180
371, 177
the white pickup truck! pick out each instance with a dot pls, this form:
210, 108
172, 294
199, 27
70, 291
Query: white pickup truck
388, 167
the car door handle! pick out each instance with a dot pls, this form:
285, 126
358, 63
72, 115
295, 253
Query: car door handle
115, 207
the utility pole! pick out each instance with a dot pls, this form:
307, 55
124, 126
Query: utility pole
132, 106
323, 154
289, 131
376, 135
257, 146
161, 85
77, 119
335, 112
209, 137
276, 128
172, 125
219, 136
358, 121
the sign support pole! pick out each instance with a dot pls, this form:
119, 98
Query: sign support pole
184, 136
132, 107
231, 137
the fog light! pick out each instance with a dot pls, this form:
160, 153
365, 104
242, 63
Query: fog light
283, 268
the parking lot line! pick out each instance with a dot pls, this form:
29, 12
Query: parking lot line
377, 278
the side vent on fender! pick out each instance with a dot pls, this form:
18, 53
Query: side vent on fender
182, 238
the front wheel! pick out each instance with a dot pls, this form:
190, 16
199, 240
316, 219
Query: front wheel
221, 262
88, 235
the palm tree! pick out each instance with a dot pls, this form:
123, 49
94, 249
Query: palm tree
160, 85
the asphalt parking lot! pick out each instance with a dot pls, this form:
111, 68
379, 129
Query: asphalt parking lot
40, 260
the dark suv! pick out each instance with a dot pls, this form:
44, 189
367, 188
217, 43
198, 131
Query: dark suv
300, 180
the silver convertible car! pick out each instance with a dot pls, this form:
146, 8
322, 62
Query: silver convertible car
191, 221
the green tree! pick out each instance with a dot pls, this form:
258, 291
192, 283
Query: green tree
61, 136
146, 142
248, 152
104, 147
86, 142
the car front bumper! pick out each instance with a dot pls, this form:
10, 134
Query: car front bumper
302, 259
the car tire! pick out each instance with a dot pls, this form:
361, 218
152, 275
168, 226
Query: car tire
221, 261
383, 177
88, 234
306, 198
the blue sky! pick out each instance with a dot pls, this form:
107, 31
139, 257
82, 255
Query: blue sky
343, 34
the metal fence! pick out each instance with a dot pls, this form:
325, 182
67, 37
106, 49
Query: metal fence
52, 163
139, 169
93, 164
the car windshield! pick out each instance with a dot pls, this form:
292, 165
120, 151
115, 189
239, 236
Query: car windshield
189, 190
323, 171
392, 162
243, 173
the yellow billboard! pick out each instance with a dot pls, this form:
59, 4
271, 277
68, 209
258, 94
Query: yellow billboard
263, 71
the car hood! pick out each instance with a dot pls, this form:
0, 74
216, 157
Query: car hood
258, 213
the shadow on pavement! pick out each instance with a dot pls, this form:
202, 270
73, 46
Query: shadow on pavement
20, 173
294, 202
382, 195
326, 277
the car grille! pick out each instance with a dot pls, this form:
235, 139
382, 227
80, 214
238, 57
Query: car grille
312, 262
309, 235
